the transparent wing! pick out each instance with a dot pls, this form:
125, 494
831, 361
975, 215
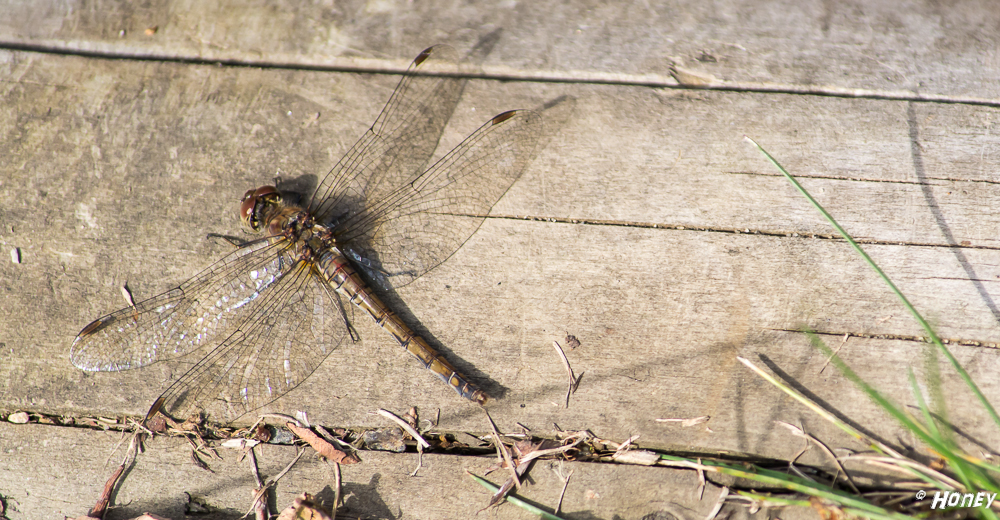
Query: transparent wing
400, 142
421, 223
283, 339
201, 312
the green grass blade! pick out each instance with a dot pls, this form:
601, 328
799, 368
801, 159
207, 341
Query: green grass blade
932, 428
514, 500
958, 465
875, 446
806, 504
920, 319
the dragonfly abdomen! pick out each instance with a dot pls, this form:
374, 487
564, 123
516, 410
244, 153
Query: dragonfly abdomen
346, 281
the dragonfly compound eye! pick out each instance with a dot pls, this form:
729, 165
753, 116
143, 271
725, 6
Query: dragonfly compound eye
254, 203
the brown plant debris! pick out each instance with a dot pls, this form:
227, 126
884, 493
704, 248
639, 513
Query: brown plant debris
321, 446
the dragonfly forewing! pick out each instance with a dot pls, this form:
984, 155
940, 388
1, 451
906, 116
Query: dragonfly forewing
196, 315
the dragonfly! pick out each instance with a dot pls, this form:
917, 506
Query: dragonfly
264, 317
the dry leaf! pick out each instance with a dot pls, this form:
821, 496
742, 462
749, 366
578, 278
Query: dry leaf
321, 446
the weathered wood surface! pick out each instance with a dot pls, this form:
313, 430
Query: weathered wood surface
115, 170
77, 462
911, 46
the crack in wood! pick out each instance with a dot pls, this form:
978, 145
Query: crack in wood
652, 80
897, 337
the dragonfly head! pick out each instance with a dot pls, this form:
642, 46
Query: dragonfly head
256, 205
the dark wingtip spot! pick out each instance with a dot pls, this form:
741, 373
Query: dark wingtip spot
504, 116
426, 53
157, 406
93, 327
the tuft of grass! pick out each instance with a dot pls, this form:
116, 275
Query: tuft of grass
871, 263
971, 473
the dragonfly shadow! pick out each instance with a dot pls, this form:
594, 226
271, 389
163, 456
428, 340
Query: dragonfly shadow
297, 190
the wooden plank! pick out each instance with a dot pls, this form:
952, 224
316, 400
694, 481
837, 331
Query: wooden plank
888, 171
114, 171
61, 471
152, 156
893, 48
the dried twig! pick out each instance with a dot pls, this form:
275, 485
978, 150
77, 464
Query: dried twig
139, 426
687, 423
502, 450
336, 494
574, 381
625, 445
284, 418
187, 429
562, 449
271, 481
900, 465
565, 485
101, 507
640, 457
834, 354
259, 506
420, 461
527, 452
701, 482
405, 426
276, 478
524, 461
196, 460
799, 432
330, 437
121, 441
718, 504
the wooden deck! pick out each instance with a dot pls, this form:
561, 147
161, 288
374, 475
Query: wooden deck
654, 233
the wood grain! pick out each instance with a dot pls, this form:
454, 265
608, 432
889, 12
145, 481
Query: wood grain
647, 228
